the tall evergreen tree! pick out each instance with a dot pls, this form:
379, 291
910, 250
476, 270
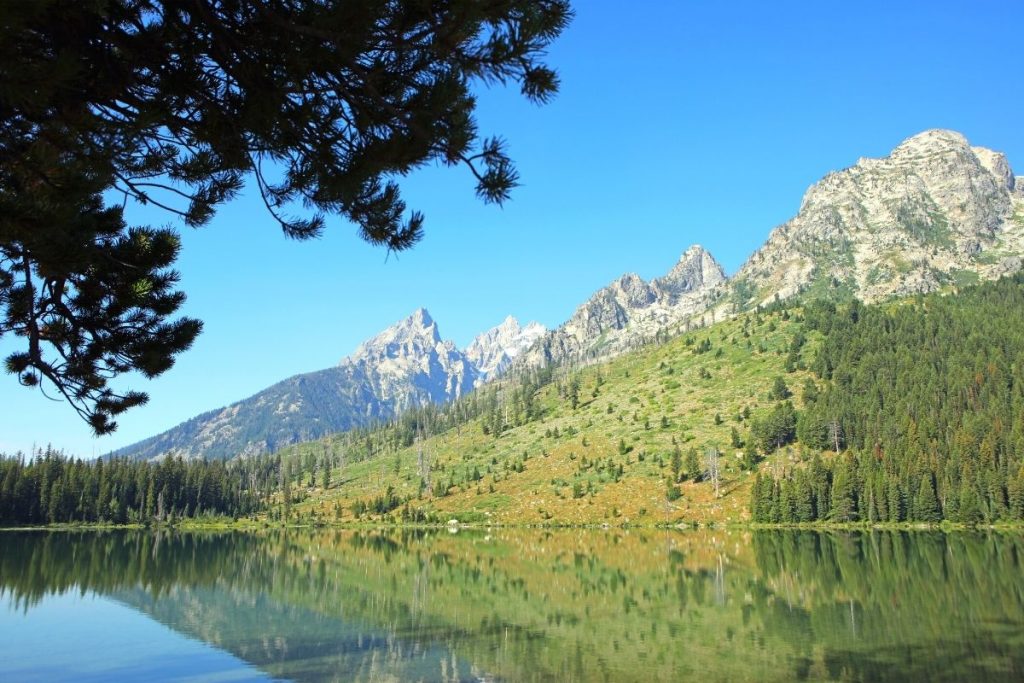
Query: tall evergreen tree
926, 505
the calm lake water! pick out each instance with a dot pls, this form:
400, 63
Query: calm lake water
581, 605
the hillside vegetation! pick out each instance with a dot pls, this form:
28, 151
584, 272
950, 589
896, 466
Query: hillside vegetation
902, 412
926, 402
626, 441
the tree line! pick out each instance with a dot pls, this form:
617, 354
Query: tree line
922, 401
49, 487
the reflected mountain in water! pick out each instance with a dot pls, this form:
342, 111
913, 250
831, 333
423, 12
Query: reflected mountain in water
575, 605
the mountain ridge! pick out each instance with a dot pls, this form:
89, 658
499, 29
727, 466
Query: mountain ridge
932, 211
936, 212
405, 365
493, 351
630, 310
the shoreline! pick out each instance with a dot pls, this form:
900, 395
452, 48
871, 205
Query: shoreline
250, 526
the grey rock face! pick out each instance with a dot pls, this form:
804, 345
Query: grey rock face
409, 364
629, 311
492, 352
696, 270
935, 212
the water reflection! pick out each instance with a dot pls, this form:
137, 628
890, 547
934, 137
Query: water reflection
569, 606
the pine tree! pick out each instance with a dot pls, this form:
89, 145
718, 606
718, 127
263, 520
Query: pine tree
574, 392
894, 501
926, 506
1015, 493
750, 457
803, 498
172, 103
844, 496
780, 391
970, 505
694, 472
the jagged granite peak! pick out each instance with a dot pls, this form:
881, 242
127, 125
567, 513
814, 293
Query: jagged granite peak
696, 269
934, 212
411, 353
406, 365
411, 336
630, 311
494, 350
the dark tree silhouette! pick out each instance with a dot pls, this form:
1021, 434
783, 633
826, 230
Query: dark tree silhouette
175, 103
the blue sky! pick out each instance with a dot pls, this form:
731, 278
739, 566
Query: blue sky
677, 123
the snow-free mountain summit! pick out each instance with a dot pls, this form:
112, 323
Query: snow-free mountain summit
935, 212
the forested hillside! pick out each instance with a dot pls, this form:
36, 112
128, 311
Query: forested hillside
669, 433
902, 412
906, 411
926, 402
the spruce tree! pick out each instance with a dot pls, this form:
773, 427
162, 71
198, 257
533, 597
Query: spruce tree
844, 493
1015, 494
780, 391
694, 471
750, 456
926, 505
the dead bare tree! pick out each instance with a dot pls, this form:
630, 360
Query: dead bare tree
835, 432
711, 456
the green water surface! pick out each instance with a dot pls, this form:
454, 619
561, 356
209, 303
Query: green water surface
575, 605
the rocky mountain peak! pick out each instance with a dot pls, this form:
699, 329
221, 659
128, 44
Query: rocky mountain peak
509, 326
696, 270
935, 140
694, 251
630, 310
405, 365
421, 317
631, 291
410, 337
494, 350
934, 212
997, 164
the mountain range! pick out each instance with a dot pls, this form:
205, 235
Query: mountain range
936, 213
406, 365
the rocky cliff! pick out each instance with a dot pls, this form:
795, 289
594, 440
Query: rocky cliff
630, 311
492, 352
936, 212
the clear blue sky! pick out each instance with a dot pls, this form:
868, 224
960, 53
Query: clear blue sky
677, 123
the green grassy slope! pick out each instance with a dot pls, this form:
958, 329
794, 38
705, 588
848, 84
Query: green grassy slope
606, 460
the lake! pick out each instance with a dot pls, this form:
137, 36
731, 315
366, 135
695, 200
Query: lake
511, 605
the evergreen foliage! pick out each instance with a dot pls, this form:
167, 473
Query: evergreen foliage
926, 398
777, 429
174, 104
51, 488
